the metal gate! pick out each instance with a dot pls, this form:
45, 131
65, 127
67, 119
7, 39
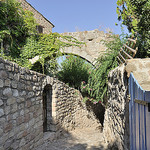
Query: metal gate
47, 108
139, 116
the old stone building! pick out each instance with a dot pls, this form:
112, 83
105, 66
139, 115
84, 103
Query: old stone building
45, 26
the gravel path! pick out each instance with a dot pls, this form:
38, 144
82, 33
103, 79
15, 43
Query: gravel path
79, 139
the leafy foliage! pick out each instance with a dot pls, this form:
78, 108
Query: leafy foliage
135, 15
21, 42
74, 70
13, 28
47, 48
96, 87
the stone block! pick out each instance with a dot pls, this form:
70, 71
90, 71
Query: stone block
1, 66
7, 92
23, 93
3, 74
15, 93
35, 78
22, 142
20, 99
8, 127
7, 82
11, 100
14, 108
15, 115
19, 120
14, 84
7, 110
26, 118
1, 83
17, 76
1, 102
1, 112
8, 67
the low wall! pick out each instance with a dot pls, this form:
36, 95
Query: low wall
31, 103
116, 120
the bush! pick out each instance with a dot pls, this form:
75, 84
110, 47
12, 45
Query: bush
74, 70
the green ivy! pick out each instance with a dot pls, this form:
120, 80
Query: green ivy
21, 42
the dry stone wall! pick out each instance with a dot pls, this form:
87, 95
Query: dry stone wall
116, 120
116, 123
22, 108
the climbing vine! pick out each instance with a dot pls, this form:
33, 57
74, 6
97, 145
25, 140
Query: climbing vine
20, 42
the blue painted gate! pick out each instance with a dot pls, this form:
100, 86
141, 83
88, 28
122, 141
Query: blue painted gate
139, 117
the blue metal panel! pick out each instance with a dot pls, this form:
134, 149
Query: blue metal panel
147, 121
139, 117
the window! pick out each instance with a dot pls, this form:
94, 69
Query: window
39, 29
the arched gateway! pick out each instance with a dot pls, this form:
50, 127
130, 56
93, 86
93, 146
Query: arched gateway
93, 47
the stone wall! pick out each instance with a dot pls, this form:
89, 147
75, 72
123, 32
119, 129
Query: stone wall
22, 107
116, 120
141, 71
40, 19
116, 123
93, 46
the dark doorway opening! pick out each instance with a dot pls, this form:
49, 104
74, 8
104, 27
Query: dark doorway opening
47, 108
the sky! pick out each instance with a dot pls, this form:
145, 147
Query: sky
79, 15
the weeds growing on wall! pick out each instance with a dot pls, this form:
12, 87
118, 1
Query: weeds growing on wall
96, 87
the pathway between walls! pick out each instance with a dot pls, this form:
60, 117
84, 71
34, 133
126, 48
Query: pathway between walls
78, 139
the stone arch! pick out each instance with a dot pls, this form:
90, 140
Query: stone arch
79, 56
76, 51
91, 50
93, 45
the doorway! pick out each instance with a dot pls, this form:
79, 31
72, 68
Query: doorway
47, 108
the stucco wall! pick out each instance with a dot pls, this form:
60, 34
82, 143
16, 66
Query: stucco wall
21, 108
41, 20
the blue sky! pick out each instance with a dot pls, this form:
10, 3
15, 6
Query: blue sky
79, 15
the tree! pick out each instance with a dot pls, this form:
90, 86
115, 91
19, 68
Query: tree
74, 70
96, 88
135, 15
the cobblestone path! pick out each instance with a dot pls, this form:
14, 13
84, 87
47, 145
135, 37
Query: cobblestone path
79, 139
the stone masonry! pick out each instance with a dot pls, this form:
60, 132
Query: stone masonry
116, 120
40, 19
22, 108
141, 71
116, 114
93, 46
